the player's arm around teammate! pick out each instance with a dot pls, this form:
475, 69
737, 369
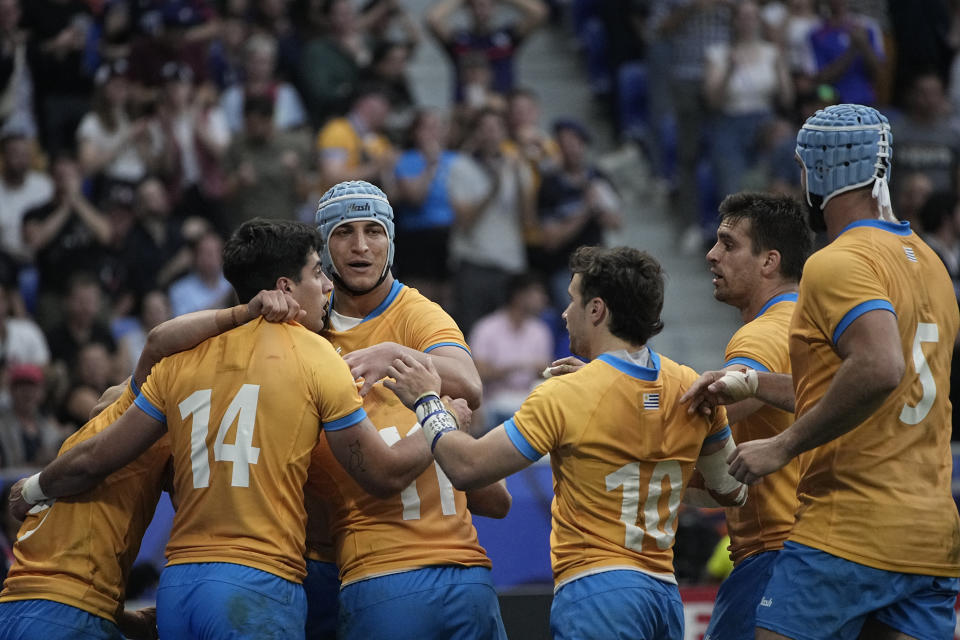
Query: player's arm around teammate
86, 464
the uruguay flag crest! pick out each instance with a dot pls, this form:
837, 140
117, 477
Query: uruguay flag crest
651, 401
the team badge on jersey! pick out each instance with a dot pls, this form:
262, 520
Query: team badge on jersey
651, 401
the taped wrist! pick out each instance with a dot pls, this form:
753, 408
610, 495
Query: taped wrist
31, 491
716, 472
434, 418
740, 385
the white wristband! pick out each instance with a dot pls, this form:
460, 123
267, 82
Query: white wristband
31, 491
740, 385
434, 418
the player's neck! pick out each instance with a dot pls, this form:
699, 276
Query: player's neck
354, 306
767, 292
847, 208
608, 342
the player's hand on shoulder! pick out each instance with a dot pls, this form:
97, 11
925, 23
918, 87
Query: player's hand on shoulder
370, 363
460, 410
275, 306
714, 388
17, 506
140, 624
563, 366
411, 379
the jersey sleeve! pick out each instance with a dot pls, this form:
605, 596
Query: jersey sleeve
538, 427
839, 287
719, 429
746, 349
338, 402
334, 140
150, 399
431, 327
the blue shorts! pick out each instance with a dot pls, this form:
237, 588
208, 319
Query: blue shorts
813, 595
221, 601
617, 605
322, 585
439, 603
735, 610
32, 619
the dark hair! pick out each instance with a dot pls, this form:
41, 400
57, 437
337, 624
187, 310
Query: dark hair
630, 283
260, 251
520, 282
938, 207
777, 223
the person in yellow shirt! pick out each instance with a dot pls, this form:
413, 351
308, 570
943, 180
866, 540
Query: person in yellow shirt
621, 448
243, 411
72, 558
410, 565
875, 550
352, 147
762, 243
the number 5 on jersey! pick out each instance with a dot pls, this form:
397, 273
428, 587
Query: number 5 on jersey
242, 453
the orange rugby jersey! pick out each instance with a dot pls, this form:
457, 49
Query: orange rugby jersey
428, 523
79, 551
622, 450
880, 494
243, 412
765, 521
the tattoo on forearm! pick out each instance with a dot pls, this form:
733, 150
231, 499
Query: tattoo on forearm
356, 457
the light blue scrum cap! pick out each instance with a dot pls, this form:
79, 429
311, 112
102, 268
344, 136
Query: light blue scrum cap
348, 202
845, 147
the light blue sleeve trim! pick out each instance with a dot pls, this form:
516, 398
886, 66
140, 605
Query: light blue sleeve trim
149, 409
520, 442
747, 362
719, 436
346, 421
445, 344
133, 385
856, 312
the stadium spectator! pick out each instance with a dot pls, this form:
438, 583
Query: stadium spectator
81, 322
492, 198
66, 234
16, 80
912, 190
353, 147
331, 60
21, 340
205, 286
848, 54
511, 347
112, 146
267, 170
927, 140
28, 436
610, 581
939, 219
762, 243
153, 309
746, 81
388, 67
388, 547
576, 205
875, 293
58, 33
498, 43
425, 214
21, 189
690, 28
388, 21
195, 138
153, 251
260, 79
276, 19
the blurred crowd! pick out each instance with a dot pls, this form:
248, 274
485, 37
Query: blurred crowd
135, 135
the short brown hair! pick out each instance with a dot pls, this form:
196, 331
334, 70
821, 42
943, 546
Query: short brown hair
630, 283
